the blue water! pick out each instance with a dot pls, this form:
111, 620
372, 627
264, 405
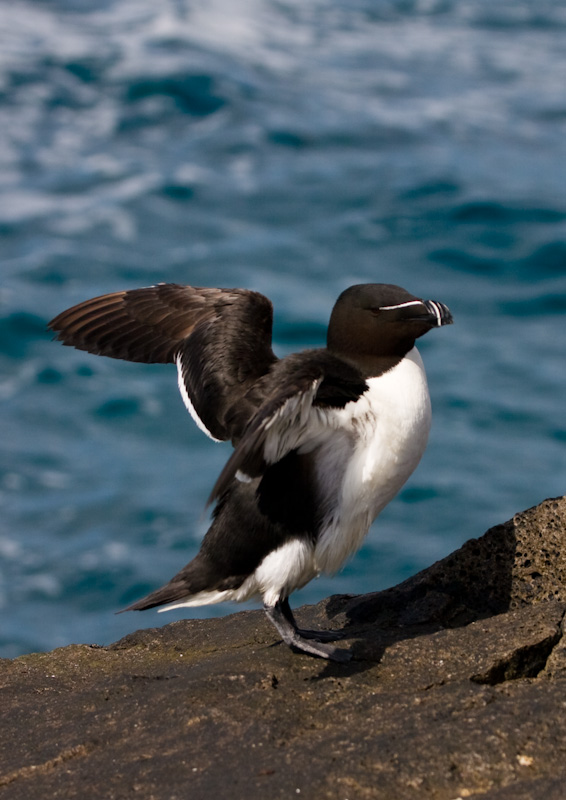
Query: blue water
294, 148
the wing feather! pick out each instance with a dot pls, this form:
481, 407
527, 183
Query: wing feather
220, 340
295, 417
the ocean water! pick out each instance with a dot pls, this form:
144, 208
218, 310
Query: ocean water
295, 148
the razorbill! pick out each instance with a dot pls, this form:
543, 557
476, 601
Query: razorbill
323, 439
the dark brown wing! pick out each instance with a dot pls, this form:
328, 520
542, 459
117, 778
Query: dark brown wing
220, 340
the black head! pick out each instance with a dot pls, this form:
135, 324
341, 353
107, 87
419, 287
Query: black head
380, 322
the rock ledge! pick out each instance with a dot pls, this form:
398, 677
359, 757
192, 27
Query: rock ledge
457, 689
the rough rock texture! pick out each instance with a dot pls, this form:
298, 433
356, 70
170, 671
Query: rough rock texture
457, 689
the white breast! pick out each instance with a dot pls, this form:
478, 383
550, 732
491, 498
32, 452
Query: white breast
383, 436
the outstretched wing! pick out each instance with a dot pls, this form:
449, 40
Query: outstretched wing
220, 340
297, 415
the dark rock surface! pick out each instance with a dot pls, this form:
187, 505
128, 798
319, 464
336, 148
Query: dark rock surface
457, 688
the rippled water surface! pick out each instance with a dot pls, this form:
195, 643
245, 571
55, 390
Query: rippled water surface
294, 148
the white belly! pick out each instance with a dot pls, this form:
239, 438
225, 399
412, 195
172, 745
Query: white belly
391, 423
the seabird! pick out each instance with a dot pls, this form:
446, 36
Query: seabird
323, 439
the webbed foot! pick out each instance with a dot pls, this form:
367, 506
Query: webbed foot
305, 641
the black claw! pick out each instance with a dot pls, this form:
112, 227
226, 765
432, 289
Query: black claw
322, 636
341, 656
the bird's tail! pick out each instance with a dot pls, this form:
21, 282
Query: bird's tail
169, 593
199, 583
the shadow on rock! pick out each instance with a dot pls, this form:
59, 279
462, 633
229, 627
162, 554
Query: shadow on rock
521, 562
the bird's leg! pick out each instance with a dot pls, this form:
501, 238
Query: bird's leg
319, 636
281, 616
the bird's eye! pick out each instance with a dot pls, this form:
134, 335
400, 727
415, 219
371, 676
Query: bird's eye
375, 311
